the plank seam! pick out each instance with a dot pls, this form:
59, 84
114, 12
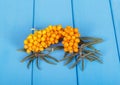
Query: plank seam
113, 22
33, 23
73, 22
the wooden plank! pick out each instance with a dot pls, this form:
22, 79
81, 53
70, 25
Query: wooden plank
115, 9
53, 12
15, 24
93, 18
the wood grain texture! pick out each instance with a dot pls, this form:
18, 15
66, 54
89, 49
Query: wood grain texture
53, 12
15, 24
115, 8
93, 18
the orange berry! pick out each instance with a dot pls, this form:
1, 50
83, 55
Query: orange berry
46, 46
75, 49
56, 41
40, 32
43, 44
38, 35
35, 43
73, 37
63, 42
30, 44
53, 35
63, 33
25, 42
54, 28
70, 48
35, 38
57, 37
65, 39
68, 27
59, 27
42, 39
68, 37
71, 43
41, 49
29, 37
36, 50
77, 35
31, 40
25, 46
38, 40
50, 26
28, 51
70, 51
51, 39
44, 32
33, 47
65, 49
75, 45
47, 38
48, 34
77, 40
49, 43
71, 33
53, 42
66, 44
75, 29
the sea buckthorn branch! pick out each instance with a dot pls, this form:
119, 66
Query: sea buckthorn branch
56, 38
85, 51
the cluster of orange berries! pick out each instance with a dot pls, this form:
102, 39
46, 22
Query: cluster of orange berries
71, 39
41, 39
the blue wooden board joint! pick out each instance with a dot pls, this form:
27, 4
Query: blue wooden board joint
73, 22
113, 22
33, 23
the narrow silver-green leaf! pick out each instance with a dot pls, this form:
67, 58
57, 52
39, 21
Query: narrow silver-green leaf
37, 63
27, 57
48, 56
69, 56
96, 58
66, 53
29, 62
58, 48
21, 50
76, 62
47, 61
69, 60
82, 64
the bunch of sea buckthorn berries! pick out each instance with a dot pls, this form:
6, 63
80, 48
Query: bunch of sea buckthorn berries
41, 39
71, 39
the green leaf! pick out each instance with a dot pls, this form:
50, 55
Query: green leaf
48, 56
69, 56
96, 58
29, 62
91, 38
37, 63
27, 57
82, 64
47, 61
95, 52
21, 50
58, 48
76, 62
66, 53
69, 60
87, 54
92, 48
90, 59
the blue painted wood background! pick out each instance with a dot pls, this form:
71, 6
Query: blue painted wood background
99, 18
